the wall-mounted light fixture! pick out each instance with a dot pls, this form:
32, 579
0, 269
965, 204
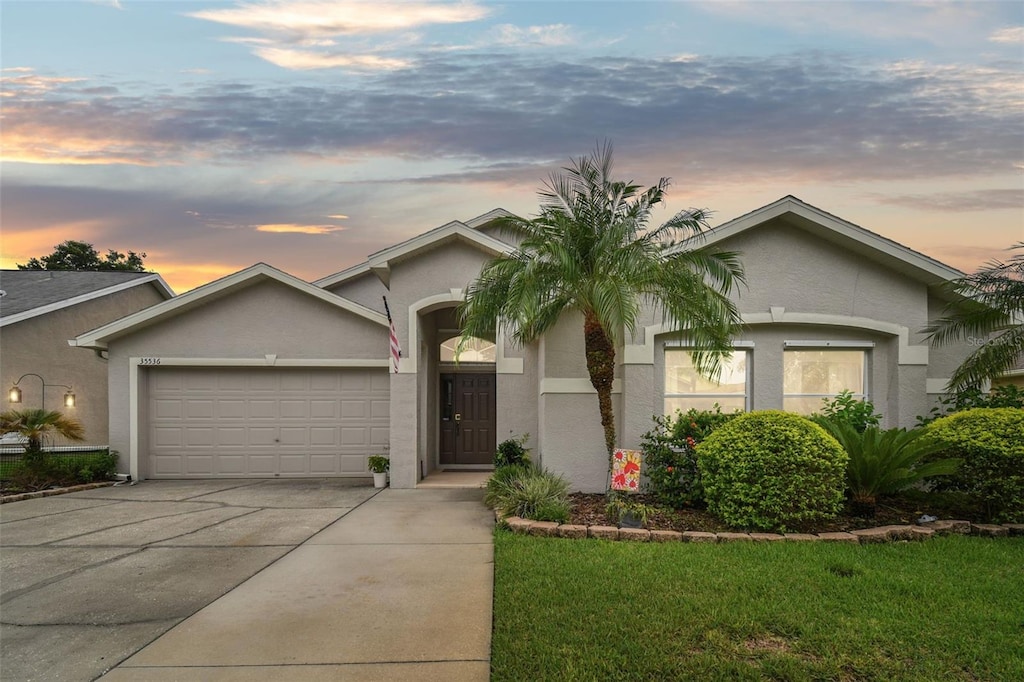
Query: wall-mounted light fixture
15, 395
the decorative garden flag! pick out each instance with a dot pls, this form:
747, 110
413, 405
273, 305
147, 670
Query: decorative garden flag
396, 350
626, 470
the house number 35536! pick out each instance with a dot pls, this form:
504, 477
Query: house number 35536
149, 361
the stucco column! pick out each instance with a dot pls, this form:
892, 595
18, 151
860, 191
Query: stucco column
404, 460
637, 401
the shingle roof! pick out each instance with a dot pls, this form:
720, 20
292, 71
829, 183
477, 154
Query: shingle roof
26, 290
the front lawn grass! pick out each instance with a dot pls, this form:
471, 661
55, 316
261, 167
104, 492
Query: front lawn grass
949, 608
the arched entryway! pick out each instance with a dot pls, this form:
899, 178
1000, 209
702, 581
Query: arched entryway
467, 402
460, 410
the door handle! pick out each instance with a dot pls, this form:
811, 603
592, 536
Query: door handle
458, 423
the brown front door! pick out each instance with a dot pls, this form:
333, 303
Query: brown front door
467, 419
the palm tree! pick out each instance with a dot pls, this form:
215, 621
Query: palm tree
589, 251
37, 425
988, 302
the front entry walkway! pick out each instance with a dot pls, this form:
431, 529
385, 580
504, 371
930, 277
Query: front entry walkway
455, 479
398, 589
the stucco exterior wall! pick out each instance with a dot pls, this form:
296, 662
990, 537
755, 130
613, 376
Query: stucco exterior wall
943, 360
267, 318
788, 267
366, 290
40, 345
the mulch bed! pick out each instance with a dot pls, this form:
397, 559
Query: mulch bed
589, 509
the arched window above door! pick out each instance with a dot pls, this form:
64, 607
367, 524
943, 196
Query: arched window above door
474, 350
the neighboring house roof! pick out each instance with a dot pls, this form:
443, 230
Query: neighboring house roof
836, 230
380, 262
98, 338
30, 293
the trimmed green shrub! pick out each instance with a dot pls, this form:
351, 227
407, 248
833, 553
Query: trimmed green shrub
845, 409
991, 443
670, 454
971, 398
528, 492
512, 452
46, 469
886, 461
772, 470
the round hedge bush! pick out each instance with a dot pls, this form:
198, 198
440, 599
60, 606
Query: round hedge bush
772, 470
990, 441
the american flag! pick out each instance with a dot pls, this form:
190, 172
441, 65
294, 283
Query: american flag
396, 350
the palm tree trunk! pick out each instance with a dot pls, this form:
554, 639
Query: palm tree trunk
601, 366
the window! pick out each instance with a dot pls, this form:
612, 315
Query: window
813, 374
475, 350
685, 388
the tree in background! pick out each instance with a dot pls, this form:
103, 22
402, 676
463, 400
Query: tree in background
72, 255
989, 302
590, 252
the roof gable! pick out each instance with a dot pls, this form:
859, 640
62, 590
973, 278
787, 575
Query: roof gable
98, 338
31, 293
832, 228
381, 261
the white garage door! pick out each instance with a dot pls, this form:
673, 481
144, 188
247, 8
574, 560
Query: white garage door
244, 422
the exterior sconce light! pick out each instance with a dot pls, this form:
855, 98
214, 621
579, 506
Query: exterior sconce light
15, 395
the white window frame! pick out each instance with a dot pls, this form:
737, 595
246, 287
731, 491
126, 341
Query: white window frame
840, 345
737, 346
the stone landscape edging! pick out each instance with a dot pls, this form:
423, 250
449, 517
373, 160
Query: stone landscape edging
890, 533
18, 497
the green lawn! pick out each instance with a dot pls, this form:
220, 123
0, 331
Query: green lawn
946, 609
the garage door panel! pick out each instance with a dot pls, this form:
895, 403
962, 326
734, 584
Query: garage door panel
232, 382
295, 382
294, 409
167, 466
201, 437
353, 409
265, 465
200, 381
199, 409
263, 435
323, 435
355, 383
199, 465
380, 409
323, 465
324, 381
292, 436
263, 409
167, 381
323, 409
230, 465
208, 422
168, 436
263, 382
169, 408
352, 464
231, 409
294, 464
357, 436
379, 437
230, 436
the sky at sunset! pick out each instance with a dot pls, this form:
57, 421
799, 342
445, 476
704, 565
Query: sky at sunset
308, 135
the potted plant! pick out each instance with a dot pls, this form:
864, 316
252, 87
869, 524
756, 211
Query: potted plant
379, 465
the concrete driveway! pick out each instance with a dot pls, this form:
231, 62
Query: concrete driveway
90, 578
